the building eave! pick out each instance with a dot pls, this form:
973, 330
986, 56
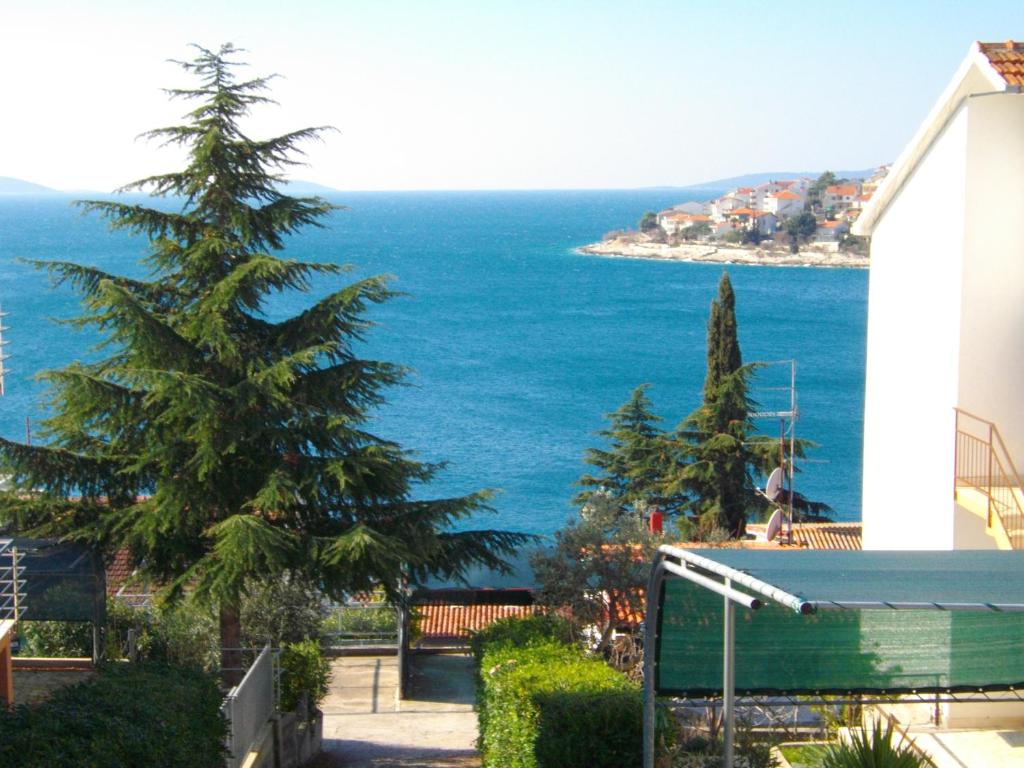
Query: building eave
938, 118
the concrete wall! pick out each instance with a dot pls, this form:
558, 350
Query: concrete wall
913, 353
992, 326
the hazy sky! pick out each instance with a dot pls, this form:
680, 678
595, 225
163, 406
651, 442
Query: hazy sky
493, 95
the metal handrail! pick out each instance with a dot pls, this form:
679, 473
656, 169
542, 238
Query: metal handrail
985, 464
906, 738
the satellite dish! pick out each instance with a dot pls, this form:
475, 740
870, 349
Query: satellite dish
774, 525
774, 486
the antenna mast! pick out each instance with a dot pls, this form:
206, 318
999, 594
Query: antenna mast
3, 357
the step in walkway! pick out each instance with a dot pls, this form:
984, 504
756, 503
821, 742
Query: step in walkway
367, 726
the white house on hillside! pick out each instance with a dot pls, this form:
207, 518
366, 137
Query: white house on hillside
946, 321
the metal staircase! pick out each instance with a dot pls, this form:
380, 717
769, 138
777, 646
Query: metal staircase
984, 470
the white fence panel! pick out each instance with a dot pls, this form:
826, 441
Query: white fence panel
249, 706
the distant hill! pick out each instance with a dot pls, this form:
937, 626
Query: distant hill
753, 179
9, 186
299, 187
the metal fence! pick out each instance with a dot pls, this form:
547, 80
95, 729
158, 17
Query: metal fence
12, 585
360, 624
249, 705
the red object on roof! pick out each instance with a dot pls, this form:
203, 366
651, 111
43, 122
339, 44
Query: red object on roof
656, 521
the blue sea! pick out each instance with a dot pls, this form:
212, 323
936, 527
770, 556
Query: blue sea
518, 344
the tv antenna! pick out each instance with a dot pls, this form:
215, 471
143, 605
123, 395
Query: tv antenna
3, 357
774, 489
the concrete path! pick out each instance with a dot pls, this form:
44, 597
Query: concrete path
366, 726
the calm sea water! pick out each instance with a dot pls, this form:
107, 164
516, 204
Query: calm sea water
518, 344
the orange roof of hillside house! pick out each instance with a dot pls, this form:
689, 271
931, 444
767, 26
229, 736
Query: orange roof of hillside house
786, 184
785, 194
689, 217
831, 224
842, 190
745, 190
1007, 59
748, 212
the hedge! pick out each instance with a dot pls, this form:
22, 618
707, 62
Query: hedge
544, 704
126, 715
520, 632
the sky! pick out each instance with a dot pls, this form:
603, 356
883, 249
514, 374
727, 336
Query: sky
493, 95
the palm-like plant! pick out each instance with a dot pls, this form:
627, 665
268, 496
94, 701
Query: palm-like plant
873, 749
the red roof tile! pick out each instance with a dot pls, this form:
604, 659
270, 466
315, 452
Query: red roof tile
1007, 59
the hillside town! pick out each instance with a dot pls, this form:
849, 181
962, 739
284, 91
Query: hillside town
773, 210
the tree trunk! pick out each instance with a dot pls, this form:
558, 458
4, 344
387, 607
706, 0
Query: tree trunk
231, 661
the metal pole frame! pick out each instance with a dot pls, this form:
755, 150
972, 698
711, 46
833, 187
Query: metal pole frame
660, 570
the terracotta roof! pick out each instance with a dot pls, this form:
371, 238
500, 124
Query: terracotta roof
455, 622
1007, 59
831, 224
119, 571
785, 194
841, 189
828, 535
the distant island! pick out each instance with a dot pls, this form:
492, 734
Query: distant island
11, 187
766, 220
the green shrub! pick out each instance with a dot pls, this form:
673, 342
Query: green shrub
304, 670
183, 633
522, 632
871, 749
546, 706
282, 610
56, 639
125, 716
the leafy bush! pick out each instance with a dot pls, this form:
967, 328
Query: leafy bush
279, 611
872, 749
184, 633
545, 705
56, 639
127, 715
521, 632
304, 670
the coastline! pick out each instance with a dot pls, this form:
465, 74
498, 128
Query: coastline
714, 254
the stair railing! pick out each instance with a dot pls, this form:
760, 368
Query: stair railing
982, 463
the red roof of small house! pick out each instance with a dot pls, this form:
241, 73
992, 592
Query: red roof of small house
785, 194
1007, 59
831, 224
456, 622
745, 190
842, 190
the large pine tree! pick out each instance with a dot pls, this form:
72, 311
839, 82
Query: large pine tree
214, 443
632, 468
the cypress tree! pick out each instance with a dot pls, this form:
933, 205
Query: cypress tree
213, 442
713, 438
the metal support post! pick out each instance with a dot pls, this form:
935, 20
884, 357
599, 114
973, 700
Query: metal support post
728, 680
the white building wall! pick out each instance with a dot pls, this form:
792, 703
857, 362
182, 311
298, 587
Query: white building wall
992, 334
913, 354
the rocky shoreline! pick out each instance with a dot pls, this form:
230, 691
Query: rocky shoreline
633, 248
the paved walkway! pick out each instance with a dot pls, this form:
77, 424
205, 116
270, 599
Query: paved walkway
366, 726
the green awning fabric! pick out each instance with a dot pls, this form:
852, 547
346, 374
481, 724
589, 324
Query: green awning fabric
886, 622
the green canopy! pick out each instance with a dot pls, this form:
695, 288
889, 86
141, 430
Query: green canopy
843, 622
